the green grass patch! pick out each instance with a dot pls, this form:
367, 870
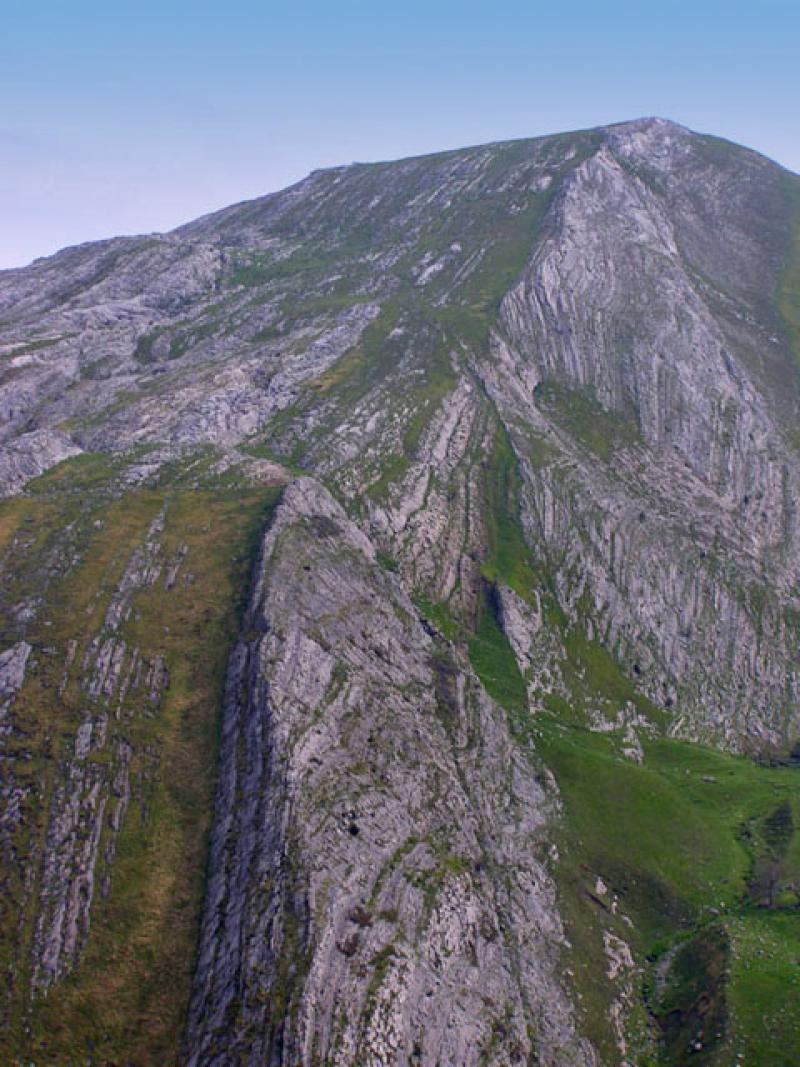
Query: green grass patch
764, 987
388, 562
37, 346
439, 614
493, 660
255, 268
667, 839
82, 473
593, 676
578, 411
508, 559
180, 338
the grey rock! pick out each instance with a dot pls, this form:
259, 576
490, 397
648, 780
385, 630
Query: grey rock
13, 663
68, 873
368, 787
31, 454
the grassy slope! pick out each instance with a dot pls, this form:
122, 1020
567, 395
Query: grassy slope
669, 844
126, 1000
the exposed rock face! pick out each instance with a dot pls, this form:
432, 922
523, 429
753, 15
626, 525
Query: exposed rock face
614, 308
542, 397
31, 454
373, 816
12, 674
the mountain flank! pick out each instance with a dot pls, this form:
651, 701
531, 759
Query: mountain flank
400, 611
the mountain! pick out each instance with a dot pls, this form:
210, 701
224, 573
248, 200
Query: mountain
400, 607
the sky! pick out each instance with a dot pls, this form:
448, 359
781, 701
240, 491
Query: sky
133, 117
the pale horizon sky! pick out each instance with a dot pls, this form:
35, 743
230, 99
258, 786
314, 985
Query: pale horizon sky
137, 117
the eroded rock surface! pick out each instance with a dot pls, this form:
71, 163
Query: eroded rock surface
374, 817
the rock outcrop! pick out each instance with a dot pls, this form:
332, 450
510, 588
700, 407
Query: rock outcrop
374, 817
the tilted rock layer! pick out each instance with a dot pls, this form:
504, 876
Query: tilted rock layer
372, 806
534, 407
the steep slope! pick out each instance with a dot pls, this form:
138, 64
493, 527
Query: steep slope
367, 781
546, 393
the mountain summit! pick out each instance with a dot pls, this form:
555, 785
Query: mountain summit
400, 605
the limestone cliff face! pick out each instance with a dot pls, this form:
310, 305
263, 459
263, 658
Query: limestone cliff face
534, 408
378, 892
617, 304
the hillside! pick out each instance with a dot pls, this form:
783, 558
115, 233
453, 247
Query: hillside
400, 607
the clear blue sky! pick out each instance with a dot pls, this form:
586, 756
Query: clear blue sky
126, 116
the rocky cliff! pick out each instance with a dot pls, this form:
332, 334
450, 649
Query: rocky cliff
415, 551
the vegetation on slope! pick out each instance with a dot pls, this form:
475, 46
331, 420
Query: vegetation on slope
697, 851
677, 841
692, 858
125, 1001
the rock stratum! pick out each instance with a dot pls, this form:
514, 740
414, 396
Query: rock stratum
400, 607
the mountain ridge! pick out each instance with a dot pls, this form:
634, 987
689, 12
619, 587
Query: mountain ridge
337, 167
